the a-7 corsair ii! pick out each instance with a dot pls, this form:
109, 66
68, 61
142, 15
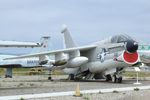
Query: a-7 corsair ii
104, 59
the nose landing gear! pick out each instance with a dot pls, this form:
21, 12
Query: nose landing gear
118, 75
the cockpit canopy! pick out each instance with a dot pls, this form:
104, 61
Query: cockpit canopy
120, 38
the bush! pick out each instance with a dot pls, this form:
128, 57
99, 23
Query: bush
115, 91
136, 89
21, 98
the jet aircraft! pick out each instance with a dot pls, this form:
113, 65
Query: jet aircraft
18, 44
27, 62
144, 51
104, 59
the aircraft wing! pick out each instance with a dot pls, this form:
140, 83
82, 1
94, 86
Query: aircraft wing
145, 60
145, 56
81, 49
18, 44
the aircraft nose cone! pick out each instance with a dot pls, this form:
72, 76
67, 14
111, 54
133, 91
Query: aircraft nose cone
131, 46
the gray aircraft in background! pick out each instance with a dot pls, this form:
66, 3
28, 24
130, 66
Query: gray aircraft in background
26, 62
104, 59
18, 44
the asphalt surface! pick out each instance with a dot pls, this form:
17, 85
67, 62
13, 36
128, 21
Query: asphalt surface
19, 85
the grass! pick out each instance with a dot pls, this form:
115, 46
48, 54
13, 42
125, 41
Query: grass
21, 69
86, 98
1, 71
133, 74
21, 98
57, 72
25, 71
16, 71
136, 89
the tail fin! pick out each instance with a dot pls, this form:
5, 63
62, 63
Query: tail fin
45, 45
45, 42
68, 41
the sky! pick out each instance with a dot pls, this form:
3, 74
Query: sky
88, 20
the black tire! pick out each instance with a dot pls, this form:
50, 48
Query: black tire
71, 77
120, 80
8, 76
115, 79
108, 78
49, 78
5, 76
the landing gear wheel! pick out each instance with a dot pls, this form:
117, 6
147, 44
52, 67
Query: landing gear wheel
120, 80
71, 77
117, 79
108, 78
49, 78
8, 76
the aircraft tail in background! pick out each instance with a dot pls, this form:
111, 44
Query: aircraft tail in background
45, 45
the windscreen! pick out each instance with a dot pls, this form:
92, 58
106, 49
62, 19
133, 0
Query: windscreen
120, 38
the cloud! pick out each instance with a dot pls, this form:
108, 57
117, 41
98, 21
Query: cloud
93, 20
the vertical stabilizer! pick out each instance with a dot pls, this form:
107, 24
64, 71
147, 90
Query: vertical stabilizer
45, 42
45, 45
68, 41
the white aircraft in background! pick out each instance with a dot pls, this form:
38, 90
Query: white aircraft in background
18, 44
144, 51
27, 62
104, 59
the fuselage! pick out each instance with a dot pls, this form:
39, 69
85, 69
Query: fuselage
101, 62
26, 62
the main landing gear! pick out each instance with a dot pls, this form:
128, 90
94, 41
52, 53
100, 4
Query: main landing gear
118, 75
50, 75
117, 79
108, 78
71, 77
8, 73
